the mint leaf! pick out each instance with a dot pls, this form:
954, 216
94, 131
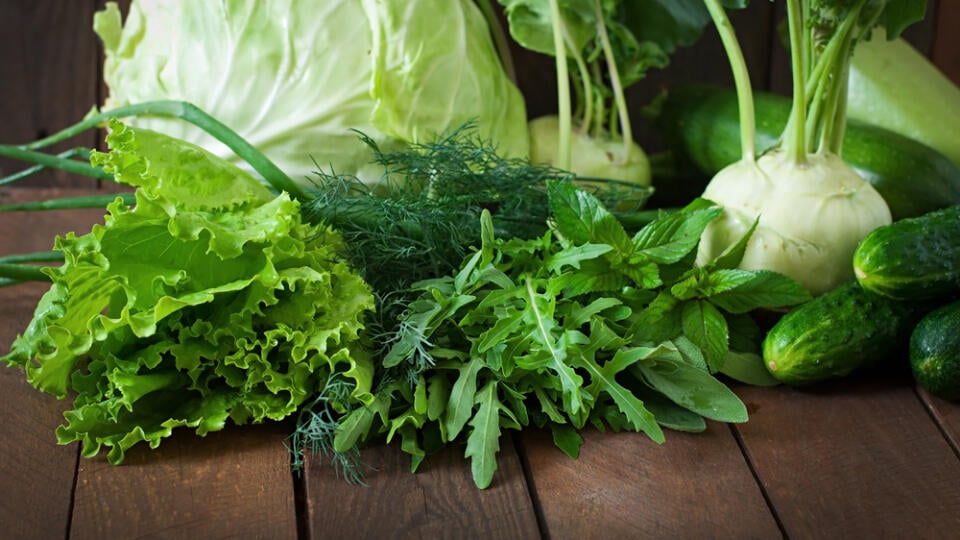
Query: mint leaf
740, 291
581, 218
705, 326
670, 238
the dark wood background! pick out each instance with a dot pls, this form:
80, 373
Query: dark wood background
50, 67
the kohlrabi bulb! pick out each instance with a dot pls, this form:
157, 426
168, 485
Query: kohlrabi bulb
811, 216
590, 157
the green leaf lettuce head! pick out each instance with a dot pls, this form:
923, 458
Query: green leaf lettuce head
208, 300
296, 77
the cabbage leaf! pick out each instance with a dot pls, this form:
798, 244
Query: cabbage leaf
296, 78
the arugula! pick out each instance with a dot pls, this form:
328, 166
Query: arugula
584, 324
207, 300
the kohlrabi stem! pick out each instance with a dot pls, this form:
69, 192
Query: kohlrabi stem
500, 41
794, 138
49, 161
836, 57
193, 114
619, 98
741, 79
587, 86
564, 115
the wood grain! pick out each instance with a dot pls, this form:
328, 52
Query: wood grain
440, 500
860, 458
36, 474
624, 485
946, 41
49, 75
234, 483
947, 416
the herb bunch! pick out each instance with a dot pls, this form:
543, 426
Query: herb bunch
581, 325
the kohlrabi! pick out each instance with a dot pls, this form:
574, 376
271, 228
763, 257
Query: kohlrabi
296, 77
810, 207
601, 47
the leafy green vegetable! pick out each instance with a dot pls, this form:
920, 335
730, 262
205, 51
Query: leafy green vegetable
556, 330
208, 300
294, 78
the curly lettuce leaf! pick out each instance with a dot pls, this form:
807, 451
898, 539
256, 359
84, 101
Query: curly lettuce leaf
209, 300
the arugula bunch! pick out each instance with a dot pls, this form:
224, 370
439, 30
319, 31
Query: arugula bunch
582, 325
208, 299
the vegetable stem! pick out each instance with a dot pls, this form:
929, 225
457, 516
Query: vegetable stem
193, 114
741, 78
563, 89
41, 256
618, 95
500, 40
44, 160
30, 171
69, 203
795, 135
22, 272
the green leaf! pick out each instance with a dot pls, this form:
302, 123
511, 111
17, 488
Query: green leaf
460, 406
669, 414
747, 368
483, 443
705, 326
670, 238
567, 439
603, 379
899, 14
582, 219
740, 291
574, 255
694, 389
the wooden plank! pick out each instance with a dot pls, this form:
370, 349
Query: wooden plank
48, 76
947, 415
859, 458
36, 474
627, 486
234, 483
946, 43
440, 500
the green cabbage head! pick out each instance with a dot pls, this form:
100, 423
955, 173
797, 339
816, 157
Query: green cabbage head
297, 77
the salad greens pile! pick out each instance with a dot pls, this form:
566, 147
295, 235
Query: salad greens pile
584, 324
208, 299
432, 281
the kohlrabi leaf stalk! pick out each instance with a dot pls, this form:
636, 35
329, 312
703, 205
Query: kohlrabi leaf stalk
564, 109
741, 79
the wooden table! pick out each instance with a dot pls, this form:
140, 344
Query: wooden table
865, 457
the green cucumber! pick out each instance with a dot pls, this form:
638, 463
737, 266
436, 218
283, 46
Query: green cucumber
935, 352
916, 258
836, 333
700, 124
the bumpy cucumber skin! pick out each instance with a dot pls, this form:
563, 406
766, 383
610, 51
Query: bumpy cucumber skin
836, 333
700, 124
935, 352
912, 259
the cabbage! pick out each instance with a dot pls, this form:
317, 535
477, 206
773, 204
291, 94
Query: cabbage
295, 77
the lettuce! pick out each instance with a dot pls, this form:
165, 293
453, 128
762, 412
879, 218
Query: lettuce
208, 300
295, 78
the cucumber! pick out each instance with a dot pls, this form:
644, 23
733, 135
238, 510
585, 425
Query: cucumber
935, 352
916, 258
701, 126
836, 333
